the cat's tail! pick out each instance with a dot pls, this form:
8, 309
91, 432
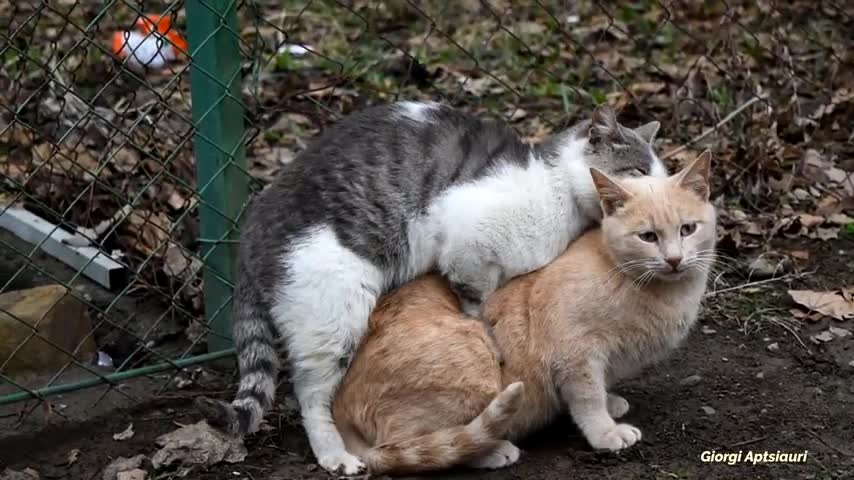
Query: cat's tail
451, 446
258, 363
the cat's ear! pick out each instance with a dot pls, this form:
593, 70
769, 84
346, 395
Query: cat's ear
647, 132
695, 177
611, 195
603, 125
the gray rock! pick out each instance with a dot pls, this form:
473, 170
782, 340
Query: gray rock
708, 410
822, 337
768, 267
839, 332
690, 381
773, 347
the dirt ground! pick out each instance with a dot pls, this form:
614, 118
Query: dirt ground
793, 397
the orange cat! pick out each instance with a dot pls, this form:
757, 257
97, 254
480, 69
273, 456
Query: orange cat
425, 390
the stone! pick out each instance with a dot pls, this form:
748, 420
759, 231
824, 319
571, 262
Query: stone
773, 347
708, 410
768, 267
57, 316
839, 332
822, 337
690, 380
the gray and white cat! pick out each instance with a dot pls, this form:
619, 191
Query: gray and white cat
385, 195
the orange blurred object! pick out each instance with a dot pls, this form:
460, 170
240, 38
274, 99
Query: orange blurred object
152, 43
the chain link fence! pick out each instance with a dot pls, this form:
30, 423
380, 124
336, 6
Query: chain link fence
132, 134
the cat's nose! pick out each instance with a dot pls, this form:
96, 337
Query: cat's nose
673, 261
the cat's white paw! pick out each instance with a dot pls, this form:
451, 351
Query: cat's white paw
617, 406
342, 464
620, 436
472, 308
504, 455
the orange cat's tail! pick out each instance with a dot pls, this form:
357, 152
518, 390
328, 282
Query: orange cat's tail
451, 446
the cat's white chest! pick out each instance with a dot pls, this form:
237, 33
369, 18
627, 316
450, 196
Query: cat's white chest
662, 336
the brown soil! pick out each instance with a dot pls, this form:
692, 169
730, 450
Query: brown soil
764, 399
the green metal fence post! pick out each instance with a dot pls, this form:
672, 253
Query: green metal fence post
215, 84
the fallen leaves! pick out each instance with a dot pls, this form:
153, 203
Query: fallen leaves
151, 229
72, 457
197, 444
122, 465
124, 434
25, 474
834, 304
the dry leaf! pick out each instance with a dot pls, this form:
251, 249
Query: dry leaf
72, 457
826, 234
125, 434
197, 444
800, 254
122, 464
151, 228
751, 228
840, 219
809, 221
836, 175
180, 265
135, 474
647, 87
831, 304
125, 159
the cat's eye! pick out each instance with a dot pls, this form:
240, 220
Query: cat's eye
649, 237
688, 229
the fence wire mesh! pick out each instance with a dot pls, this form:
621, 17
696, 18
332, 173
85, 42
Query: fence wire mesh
119, 158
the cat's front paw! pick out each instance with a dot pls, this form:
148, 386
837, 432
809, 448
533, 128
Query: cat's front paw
471, 299
505, 454
342, 464
617, 406
620, 436
472, 308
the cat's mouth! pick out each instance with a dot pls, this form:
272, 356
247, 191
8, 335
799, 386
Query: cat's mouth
672, 273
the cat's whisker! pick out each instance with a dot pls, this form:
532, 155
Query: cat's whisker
716, 263
623, 269
724, 260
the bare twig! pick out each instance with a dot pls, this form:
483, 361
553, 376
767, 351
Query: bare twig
828, 445
748, 442
788, 328
720, 124
791, 276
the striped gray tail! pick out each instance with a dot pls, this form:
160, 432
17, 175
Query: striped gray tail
258, 362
